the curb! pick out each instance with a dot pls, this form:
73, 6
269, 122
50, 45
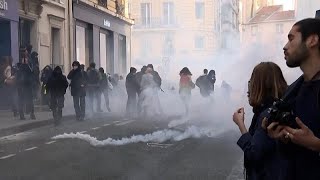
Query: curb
28, 126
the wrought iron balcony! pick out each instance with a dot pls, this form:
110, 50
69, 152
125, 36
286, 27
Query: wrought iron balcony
149, 23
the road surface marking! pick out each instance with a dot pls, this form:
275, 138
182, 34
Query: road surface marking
124, 123
106, 124
9, 156
29, 149
116, 121
50, 142
159, 145
82, 132
95, 128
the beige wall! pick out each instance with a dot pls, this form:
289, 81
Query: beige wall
267, 35
54, 15
184, 33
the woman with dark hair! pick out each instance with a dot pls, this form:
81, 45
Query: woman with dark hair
185, 87
260, 156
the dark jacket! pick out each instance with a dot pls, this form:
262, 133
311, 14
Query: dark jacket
131, 83
260, 155
93, 79
57, 84
45, 75
156, 78
302, 162
206, 85
78, 82
25, 77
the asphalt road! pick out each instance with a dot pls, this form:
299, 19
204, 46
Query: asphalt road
34, 155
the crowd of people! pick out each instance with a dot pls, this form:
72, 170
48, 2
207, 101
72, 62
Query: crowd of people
283, 140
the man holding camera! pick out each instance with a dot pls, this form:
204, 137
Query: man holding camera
300, 147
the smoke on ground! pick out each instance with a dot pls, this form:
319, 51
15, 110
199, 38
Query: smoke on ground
158, 136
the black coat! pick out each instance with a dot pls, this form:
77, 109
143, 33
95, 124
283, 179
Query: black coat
131, 84
78, 82
25, 77
57, 84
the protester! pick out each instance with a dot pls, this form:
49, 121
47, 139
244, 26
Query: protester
132, 90
105, 87
260, 160
302, 150
185, 87
93, 86
57, 85
45, 75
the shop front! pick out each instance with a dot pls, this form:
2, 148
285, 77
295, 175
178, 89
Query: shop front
9, 19
101, 38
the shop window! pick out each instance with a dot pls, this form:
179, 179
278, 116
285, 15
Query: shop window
55, 45
122, 54
81, 44
103, 51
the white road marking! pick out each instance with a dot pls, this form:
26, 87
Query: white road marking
106, 125
6, 157
18, 136
116, 121
82, 132
50, 142
29, 149
124, 123
95, 128
159, 145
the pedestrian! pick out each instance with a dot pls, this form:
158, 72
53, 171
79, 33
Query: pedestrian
260, 156
45, 75
25, 80
78, 85
299, 145
203, 83
105, 87
132, 90
94, 79
57, 85
185, 87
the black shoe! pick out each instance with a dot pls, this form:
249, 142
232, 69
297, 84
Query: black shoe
33, 117
109, 109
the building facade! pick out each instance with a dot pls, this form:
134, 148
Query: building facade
176, 30
102, 34
268, 29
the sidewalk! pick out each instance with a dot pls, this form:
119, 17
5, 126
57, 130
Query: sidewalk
11, 125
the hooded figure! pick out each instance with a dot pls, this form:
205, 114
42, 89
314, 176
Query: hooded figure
132, 89
45, 75
57, 85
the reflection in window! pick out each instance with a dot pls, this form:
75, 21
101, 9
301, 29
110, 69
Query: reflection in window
81, 44
199, 10
103, 51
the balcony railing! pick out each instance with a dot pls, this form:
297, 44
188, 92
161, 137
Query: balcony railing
149, 23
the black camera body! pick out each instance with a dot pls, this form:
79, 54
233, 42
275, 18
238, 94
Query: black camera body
282, 113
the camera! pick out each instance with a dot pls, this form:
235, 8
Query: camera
281, 112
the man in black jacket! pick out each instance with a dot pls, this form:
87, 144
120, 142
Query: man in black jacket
78, 84
300, 146
57, 85
132, 89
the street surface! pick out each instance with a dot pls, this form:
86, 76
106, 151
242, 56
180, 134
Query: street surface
35, 155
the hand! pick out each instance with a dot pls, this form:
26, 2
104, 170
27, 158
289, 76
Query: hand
274, 130
303, 136
238, 116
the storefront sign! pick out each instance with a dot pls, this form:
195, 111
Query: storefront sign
3, 5
106, 23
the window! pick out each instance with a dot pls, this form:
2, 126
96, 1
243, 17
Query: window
254, 30
103, 51
279, 28
146, 47
199, 10
168, 13
146, 13
168, 45
199, 42
81, 44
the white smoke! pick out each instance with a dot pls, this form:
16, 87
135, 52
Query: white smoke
158, 136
